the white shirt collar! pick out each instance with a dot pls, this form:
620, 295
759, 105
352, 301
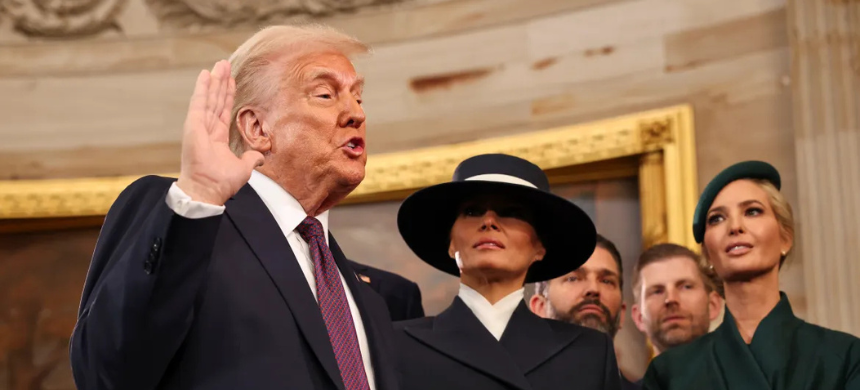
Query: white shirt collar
494, 317
288, 212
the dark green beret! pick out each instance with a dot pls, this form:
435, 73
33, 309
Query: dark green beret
741, 170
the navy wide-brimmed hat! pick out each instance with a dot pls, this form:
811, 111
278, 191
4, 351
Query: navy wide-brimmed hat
426, 217
742, 170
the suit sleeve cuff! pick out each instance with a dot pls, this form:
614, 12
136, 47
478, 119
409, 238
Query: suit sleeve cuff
181, 204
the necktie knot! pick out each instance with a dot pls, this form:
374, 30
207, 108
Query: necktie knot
311, 228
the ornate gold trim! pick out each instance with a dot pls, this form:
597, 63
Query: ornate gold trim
663, 137
652, 198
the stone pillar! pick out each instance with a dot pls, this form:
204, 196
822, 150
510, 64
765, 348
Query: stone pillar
825, 42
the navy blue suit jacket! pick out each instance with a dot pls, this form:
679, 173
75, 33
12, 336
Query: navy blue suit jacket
402, 295
454, 351
627, 385
211, 303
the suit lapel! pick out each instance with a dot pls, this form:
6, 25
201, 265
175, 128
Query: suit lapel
360, 271
262, 233
372, 328
530, 340
348, 271
375, 281
457, 333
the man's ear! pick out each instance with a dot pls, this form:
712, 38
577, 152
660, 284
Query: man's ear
537, 304
636, 315
621, 312
253, 129
715, 301
541, 253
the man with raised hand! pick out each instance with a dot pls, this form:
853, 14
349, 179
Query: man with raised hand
227, 278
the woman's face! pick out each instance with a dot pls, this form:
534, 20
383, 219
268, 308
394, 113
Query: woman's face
495, 238
742, 235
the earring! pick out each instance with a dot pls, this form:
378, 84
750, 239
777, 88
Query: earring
784, 253
458, 260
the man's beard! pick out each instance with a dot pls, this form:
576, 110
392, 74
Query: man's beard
674, 336
589, 320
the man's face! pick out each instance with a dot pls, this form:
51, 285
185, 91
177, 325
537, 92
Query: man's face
674, 306
589, 296
317, 123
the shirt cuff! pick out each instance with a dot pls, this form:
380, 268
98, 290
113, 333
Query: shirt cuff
181, 204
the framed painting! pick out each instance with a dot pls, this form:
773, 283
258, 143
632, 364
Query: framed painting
635, 176
656, 146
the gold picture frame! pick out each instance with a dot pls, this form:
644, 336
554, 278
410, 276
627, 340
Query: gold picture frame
658, 146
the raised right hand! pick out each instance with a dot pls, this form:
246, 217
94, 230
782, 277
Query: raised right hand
210, 172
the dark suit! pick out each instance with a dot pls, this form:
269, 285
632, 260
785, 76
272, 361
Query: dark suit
402, 295
627, 385
211, 303
455, 351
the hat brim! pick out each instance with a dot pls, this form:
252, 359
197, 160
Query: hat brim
742, 170
567, 233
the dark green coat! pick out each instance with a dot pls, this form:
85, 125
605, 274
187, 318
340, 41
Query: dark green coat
786, 353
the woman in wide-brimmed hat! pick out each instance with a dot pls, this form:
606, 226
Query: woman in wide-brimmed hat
497, 226
746, 230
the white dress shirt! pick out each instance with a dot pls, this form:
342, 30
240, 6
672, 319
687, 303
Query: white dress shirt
288, 214
494, 317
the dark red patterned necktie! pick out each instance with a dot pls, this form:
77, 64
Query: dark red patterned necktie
334, 307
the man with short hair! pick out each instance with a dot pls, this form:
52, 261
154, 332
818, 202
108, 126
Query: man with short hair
228, 278
589, 296
677, 296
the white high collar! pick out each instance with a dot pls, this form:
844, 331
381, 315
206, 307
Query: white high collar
494, 317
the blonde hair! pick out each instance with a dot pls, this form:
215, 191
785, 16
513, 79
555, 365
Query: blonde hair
782, 211
257, 81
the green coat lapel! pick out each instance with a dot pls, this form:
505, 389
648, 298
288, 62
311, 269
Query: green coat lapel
739, 367
774, 359
775, 347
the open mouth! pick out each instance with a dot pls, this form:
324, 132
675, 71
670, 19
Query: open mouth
354, 147
488, 244
738, 248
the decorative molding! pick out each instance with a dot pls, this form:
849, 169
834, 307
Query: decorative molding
652, 199
62, 18
184, 14
656, 133
667, 210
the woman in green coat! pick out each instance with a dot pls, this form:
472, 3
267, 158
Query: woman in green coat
746, 230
